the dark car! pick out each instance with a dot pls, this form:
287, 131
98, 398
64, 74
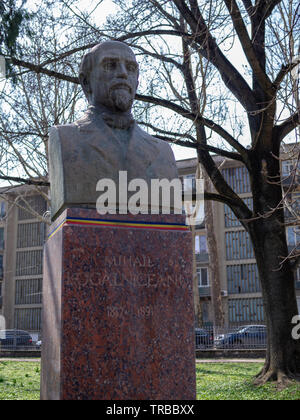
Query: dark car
204, 339
250, 336
12, 339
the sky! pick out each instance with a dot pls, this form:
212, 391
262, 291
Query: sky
107, 8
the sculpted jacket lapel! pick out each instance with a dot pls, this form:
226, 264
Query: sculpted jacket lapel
141, 154
104, 145
144, 158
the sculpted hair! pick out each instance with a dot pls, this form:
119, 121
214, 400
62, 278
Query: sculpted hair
86, 67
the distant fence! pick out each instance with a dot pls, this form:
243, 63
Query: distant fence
19, 341
238, 338
206, 338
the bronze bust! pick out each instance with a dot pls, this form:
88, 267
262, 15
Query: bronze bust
106, 140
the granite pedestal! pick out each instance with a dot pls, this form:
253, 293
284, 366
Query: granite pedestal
118, 320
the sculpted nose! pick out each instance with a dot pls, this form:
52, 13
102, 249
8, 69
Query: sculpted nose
122, 71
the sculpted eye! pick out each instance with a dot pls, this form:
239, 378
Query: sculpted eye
131, 67
109, 65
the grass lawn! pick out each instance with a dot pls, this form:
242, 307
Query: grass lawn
19, 380
215, 381
234, 382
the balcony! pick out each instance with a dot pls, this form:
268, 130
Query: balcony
204, 291
202, 257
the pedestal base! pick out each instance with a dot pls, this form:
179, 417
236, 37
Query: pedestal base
118, 320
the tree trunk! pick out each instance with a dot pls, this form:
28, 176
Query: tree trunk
214, 272
278, 288
197, 306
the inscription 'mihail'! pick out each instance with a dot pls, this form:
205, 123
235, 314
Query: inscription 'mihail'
128, 261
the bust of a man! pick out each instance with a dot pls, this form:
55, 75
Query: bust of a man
106, 140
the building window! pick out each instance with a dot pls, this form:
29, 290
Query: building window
1, 266
189, 183
289, 167
246, 310
230, 218
28, 319
238, 246
238, 179
1, 238
202, 274
37, 203
293, 236
297, 279
243, 278
292, 208
201, 244
29, 263
29, 292
2, 210
31, 235
205, 311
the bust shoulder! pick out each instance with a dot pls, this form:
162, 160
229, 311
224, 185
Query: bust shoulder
161, 144
70, 131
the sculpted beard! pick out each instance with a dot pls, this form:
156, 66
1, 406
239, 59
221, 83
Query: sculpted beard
122, 99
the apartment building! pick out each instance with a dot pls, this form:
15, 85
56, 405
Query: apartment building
22, 236
241, 292
2, 230
22, 260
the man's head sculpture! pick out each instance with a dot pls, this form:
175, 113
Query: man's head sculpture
109, 76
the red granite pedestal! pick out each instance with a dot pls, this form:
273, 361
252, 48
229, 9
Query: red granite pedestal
118, 321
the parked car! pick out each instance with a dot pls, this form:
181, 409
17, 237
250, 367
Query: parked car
15, 339
249, 336
204, 339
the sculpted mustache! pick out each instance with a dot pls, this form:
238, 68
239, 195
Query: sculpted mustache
120, 85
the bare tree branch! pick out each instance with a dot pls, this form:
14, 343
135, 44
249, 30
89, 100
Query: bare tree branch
25, 181
210, 50
287, 126
247, 45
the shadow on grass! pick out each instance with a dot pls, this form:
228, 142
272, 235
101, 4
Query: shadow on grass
228, 370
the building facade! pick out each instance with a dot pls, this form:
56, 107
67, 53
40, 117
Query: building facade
242, 301
22, 236
25, 234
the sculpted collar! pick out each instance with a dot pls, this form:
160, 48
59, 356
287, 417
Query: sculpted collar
120, 120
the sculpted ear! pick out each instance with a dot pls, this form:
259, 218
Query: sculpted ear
85, 83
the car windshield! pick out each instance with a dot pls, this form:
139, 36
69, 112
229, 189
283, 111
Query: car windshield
243, 330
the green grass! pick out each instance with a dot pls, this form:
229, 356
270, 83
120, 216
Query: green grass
19, 380
215, 381
235, 382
